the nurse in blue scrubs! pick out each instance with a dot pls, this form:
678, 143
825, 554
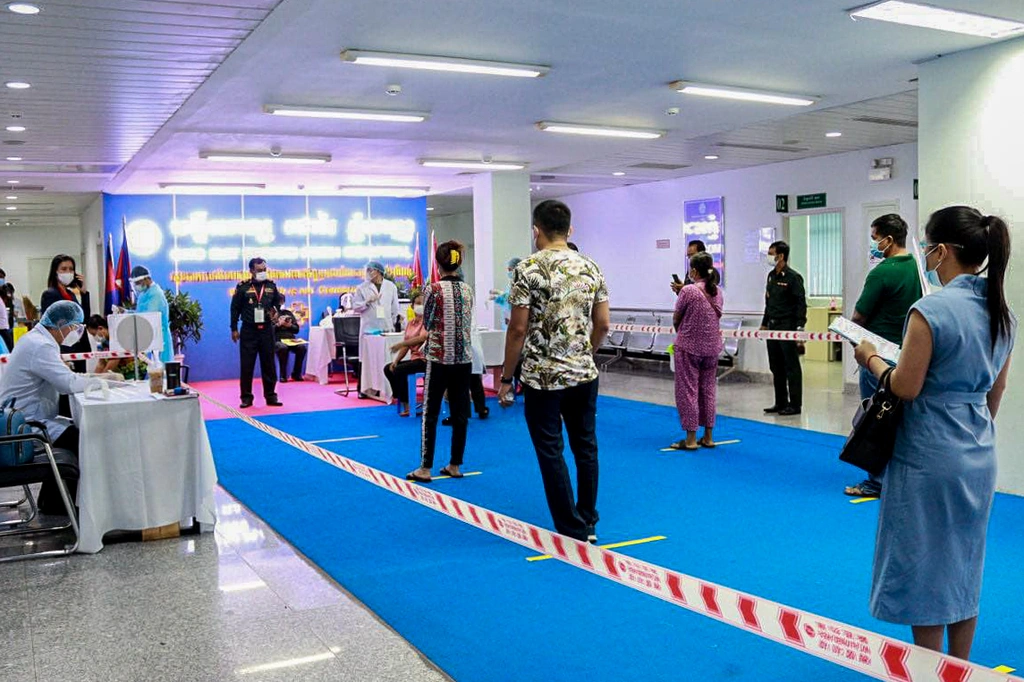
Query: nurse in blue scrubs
149, 298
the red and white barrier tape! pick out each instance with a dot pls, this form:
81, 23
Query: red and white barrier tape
736, 333
72, 357
860, 650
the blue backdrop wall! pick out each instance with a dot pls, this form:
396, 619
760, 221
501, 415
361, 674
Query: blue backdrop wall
316, 249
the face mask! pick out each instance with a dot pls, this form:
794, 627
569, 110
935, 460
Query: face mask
140, 287
2, 281
511, 274
66, 278
72, 337
769, 260
418, 309
876, 252
932, 275
261, 276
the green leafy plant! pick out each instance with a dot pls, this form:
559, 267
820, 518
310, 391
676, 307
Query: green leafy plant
186, 319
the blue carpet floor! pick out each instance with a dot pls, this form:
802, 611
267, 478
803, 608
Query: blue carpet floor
765, 516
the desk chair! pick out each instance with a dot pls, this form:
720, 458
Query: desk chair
346, 347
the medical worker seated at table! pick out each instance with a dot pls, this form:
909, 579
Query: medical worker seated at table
376, 301
36, 376
149, 298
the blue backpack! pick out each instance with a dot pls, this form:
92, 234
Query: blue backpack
12, 423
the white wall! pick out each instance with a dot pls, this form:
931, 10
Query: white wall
93, 260
458, 226
972, 147
19, 244
619, 227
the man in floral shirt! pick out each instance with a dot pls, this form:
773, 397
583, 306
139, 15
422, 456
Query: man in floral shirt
559, 319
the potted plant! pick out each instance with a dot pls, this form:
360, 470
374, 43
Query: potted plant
185, 320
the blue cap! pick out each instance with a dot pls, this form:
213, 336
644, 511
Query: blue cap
375, 265
62, 314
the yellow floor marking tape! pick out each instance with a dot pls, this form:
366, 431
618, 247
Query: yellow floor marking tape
861, 500
614, 545
468, 473
1005, 669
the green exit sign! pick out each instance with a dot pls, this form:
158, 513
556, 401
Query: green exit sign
806, 201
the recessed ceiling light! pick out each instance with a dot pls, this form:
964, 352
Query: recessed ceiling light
711, 157
15, 129
23, 8
13, 182
14, 158
381, 191
938, 18
834, 133
434, 63
472, 165
599, 131
347, 114
430, 208
18, 85
266, 157
11, 197
619, 174
741, 94
11, 208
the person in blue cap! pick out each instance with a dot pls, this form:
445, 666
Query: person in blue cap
149, 298
376, 301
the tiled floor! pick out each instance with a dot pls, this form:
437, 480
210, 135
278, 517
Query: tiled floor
240, 604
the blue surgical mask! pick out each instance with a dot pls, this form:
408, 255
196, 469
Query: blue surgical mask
875, 251
932, 275
2, 281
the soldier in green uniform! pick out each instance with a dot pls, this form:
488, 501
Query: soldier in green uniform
256, 302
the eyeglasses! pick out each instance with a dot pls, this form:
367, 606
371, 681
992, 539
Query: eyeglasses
930, 247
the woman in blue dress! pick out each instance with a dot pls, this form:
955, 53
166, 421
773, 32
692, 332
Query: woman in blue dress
938, 488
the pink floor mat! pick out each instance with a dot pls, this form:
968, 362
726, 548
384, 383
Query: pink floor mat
302, 396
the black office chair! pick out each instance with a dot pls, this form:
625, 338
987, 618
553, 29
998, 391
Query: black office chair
346, 348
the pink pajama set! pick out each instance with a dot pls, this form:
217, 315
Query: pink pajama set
697, 347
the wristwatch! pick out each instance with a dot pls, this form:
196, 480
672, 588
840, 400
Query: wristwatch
507, 381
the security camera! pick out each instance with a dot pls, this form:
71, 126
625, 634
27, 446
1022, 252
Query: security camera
487, 158
275, 151
393, 90
672, 111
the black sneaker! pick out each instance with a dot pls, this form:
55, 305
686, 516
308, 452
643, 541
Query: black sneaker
789, 411
447, 421
592, 535
484, 413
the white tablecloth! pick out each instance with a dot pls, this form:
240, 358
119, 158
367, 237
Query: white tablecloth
321, 352
377, 352
492, 343
144, 463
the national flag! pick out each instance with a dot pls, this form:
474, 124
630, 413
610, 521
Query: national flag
124, 266
435, 273
112, 296
417, 267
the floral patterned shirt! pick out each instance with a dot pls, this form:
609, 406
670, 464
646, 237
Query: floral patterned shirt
560, 287
448, 319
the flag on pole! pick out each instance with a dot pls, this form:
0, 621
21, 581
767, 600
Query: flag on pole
417, 267
124, 266
112, 296
435, 273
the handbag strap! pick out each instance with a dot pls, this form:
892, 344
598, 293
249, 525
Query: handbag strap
711, 302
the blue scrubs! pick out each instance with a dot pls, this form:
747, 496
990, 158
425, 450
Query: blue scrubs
152, 300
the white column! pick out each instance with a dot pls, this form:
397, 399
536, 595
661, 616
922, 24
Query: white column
970, 147
502, 229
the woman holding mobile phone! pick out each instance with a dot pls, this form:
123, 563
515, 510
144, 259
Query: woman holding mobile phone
65, 284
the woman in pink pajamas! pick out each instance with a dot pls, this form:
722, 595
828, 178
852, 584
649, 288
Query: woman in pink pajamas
697, 347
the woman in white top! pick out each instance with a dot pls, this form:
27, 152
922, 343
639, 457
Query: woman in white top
376, 301
36, 376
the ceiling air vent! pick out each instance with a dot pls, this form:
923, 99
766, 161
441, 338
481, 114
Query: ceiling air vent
14, 143
887, 121
763, 147
659, 166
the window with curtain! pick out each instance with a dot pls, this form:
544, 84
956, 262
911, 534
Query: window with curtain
825, 254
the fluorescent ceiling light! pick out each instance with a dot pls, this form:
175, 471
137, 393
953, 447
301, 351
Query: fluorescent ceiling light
599, 131
18, 85
927, 16
347, 114
265, 157
290, 663
711, 157
472, 165
835, 133
453, 64
23, 8
11, 197
619, 174
213, 185
380, 191
741, 94
430, 208
13, 182
14, 158
11, 208
15, 129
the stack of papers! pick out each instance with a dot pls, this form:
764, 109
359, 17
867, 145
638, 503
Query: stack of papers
854, 333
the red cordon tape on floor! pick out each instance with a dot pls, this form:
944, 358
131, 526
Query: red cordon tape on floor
72, 357
736, 333
845, 645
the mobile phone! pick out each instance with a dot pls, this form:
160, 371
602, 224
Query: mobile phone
675, 278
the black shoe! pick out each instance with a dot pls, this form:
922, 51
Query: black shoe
274, 403
284, 380
298, 379
789, 411
484, 413
245, 404
773, 409
447, 421
592, 535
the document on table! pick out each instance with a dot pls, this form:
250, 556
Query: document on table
854, 333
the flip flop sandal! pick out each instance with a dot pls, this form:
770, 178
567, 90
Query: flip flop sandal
411, 476
860, 491
681, 445
448, 472
707, 444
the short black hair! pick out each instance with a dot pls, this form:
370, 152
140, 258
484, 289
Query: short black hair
96, 322
553, 218
891, 225
701, 246
780, 248
3, 273
253, 262
573, 247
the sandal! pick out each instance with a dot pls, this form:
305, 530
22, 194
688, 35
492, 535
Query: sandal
448, 472
705, 443
411, 476
681, 445
863, 489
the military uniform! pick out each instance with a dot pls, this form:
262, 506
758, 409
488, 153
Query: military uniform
254, 303
785, 309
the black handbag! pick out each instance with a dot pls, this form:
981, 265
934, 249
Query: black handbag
873, 438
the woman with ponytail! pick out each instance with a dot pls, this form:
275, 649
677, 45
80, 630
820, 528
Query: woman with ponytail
938, 488
448, 320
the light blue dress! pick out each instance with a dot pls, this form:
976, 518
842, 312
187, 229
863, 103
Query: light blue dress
938, 488
152, 300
